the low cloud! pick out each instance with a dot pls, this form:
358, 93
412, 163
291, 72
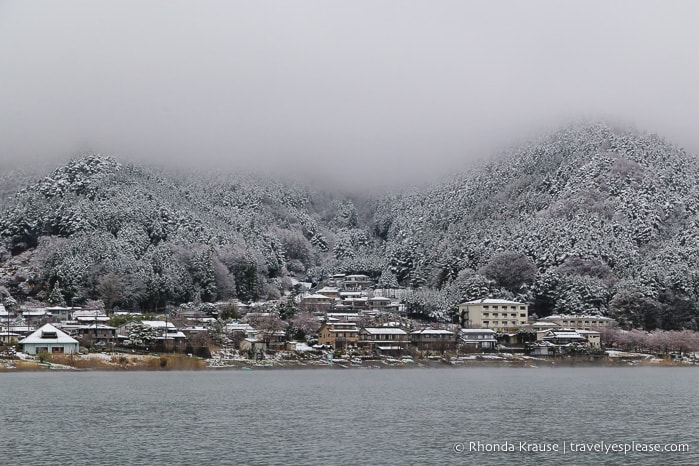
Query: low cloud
353, 94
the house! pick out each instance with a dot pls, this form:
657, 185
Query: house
329, 291
593, 338
338, 334
51, 340
378, 302
316, 303
253, 344
384, 339
356, 282
165, 331
343, 316
429, 339
564, 336
237, 328
36, 316
88, 315
355, 303
60, 312
563, 341
497, 314
478, 339
9, 338
275, 340
96, 334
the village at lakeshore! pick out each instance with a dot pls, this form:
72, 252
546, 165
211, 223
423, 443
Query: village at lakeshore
346, 323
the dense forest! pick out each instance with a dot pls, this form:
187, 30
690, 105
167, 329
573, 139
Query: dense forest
589, 219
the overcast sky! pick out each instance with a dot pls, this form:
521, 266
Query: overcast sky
357, 93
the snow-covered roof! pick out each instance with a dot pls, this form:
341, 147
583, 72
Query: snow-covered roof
239, 327
300, 346
36, 312
575, 317
316, 296
158, 324
97, 326
328, 289
432, 331
346, 324
567, 335
50, 335
84, 313
385, 331
493, 301
477, 330
92, 319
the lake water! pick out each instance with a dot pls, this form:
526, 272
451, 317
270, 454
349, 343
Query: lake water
349, 416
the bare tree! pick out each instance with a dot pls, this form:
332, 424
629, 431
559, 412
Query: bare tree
110, 289
268, 326
511, 270
305, 323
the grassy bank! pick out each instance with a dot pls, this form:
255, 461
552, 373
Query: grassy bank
100, 361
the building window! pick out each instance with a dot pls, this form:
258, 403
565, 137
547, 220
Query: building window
523, 315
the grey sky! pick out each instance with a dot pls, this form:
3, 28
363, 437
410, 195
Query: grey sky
358, 93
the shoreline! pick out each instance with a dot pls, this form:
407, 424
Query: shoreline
177, 362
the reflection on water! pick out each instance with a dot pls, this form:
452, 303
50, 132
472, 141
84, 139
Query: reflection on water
333, 416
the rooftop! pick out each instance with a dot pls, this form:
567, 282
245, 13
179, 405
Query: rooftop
493, 301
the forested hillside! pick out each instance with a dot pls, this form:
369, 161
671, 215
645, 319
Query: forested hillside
589, 219
137, 238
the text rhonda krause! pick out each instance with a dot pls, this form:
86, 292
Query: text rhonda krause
570, 447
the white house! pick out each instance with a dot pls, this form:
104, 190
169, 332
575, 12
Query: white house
50, 339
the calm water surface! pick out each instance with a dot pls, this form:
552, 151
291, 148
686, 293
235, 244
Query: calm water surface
336, 416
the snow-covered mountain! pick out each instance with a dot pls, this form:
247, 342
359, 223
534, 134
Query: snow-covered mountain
607, 216
159, 238
589, 219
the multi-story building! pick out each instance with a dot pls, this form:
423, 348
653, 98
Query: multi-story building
316, 303
580, 322
338, 334
478, 339
356, 282
433, 339
497, 314
384, 339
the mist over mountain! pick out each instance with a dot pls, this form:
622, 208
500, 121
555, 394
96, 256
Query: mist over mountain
587, 219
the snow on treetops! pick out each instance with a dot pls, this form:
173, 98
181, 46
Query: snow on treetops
590, 219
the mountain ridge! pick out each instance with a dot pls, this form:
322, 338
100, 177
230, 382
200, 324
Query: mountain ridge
606, 216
